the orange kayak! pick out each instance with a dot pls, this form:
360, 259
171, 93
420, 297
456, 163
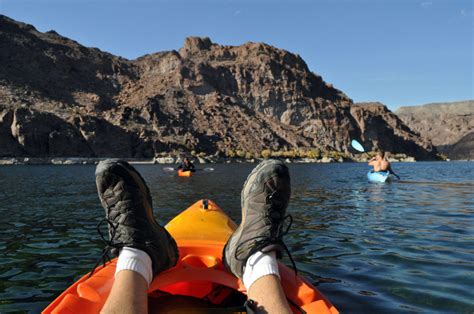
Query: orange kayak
199, 280
182, 173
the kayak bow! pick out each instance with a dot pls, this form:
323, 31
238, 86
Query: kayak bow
201, 232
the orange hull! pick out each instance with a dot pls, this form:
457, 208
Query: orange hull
182, 173
201, 235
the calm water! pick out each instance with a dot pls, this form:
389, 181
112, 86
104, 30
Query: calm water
406, 246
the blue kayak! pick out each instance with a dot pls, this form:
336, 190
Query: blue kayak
380, 176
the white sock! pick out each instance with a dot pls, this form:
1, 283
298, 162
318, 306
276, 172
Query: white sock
135, 260
258, 265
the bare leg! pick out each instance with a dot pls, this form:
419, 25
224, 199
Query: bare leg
149, 248
128, 295
250, 253
268, 295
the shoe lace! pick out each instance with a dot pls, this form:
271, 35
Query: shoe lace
109, 244
276, 236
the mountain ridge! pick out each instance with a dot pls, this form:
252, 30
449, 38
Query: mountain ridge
204, 97
447, 125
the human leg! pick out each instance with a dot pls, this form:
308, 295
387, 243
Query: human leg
128, 294
145, 247
268, 296
251, 251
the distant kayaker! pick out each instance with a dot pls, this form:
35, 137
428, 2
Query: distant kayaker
187, 165
145, 248
381, 164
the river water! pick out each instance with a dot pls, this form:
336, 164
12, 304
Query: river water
404, 246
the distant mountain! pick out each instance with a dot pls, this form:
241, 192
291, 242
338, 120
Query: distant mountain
464, 148
382, 128
447, 125
59, 98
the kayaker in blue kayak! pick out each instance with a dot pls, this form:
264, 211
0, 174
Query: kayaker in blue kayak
145, 249
381, 164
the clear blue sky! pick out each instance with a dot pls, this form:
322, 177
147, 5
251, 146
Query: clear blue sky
399, 52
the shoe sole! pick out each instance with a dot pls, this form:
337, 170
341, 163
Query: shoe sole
248, 182
130, 174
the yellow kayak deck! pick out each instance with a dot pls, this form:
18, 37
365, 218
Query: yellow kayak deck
201, 231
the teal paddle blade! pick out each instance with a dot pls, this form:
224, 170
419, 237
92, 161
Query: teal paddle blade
357, 146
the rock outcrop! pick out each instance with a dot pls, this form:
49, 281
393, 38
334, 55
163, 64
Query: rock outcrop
464, 148
58, 98
447, 125
381, 128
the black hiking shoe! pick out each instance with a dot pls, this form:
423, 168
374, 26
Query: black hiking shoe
264, 200
129, 215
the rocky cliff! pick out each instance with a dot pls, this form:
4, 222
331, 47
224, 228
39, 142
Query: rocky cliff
381, 128
462, 149
448, 125
58, 98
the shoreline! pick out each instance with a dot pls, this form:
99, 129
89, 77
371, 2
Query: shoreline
173, 160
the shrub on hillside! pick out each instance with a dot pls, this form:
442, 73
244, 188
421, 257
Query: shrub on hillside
266, 153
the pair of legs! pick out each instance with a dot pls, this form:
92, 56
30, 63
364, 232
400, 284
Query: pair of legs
129, 294
145, 248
